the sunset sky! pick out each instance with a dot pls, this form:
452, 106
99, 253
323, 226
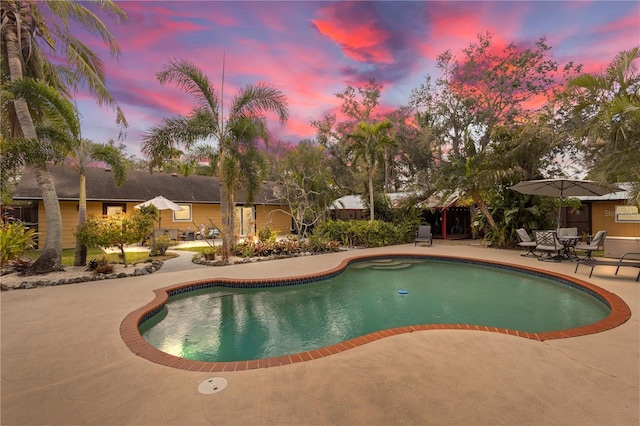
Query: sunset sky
312, 50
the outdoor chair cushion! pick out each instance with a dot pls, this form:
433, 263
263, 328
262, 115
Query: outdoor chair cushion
567, 232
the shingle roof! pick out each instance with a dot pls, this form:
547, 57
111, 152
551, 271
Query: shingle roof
140, 186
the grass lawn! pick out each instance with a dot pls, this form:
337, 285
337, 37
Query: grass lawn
201, 250
132, 257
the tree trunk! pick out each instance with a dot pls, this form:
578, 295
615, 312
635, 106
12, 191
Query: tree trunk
50, 259
371, 208
225, 216
227, 207
492, 223
387, 170
124, 255
80, 258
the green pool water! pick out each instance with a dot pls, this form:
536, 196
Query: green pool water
224, 324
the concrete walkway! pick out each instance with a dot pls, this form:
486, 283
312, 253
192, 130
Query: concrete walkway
63, 362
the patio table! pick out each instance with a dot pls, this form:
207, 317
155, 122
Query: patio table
569, 243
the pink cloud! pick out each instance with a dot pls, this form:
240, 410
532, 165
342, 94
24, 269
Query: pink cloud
361, 40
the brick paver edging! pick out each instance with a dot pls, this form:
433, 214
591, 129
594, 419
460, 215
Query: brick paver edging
131, 336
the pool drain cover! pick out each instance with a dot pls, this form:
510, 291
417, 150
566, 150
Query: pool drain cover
212, 385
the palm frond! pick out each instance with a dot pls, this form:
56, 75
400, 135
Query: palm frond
41, 97
188, 78
67, 11
254, 100
113, 157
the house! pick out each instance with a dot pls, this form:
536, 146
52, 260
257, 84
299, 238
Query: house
447, 219
199, 196
609, 212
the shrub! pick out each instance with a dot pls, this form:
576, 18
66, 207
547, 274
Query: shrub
267, 235
317, 244
15, 239
100, 266
285, 247
360, 233
160, 245
20, 264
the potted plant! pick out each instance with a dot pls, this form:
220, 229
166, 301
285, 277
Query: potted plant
209, 253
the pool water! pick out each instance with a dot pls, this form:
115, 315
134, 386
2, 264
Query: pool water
228, 324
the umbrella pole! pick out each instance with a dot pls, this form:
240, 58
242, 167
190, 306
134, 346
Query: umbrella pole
559, 213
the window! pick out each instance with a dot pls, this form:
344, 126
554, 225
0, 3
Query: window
109, 209
183, 215
627, 214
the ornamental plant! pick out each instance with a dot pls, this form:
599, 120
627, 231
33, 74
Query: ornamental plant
116, 230
15, 239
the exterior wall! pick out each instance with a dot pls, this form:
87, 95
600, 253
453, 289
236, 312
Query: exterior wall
603, 217
200, 213
42, 225
274, 217
69, 212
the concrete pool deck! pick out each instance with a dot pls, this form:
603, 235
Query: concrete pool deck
64, 362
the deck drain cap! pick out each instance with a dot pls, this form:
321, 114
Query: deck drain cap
212, 385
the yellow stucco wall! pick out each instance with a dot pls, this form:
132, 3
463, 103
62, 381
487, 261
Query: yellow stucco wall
201, 213
274, 217
69, 213
603, 217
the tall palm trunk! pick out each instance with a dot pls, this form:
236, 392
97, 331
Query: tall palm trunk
80, 254
227, 206
50, 259
387, 169
371, 208
224, 217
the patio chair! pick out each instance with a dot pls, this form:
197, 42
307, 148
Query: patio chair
424, 235
525, 241
567, 232
173, 234
617, 263
188, 234
547, 241
596, 244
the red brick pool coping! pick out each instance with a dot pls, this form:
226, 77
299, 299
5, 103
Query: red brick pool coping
131, 336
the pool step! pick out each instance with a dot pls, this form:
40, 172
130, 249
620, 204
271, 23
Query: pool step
394, 266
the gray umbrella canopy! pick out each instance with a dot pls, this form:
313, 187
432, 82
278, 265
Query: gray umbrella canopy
160, 203
562, 188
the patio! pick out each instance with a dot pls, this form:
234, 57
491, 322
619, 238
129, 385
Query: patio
64, 362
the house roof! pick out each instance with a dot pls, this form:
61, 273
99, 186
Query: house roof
140, 186
354, 202
620, 195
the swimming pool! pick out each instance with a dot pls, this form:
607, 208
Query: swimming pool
239, 324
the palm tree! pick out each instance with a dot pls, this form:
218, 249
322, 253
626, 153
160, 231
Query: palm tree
609, 109
56, 128
367, 144
33, 42
84, 152
240, 163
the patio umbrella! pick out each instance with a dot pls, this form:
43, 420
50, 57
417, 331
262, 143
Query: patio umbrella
160, 203
562, 188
